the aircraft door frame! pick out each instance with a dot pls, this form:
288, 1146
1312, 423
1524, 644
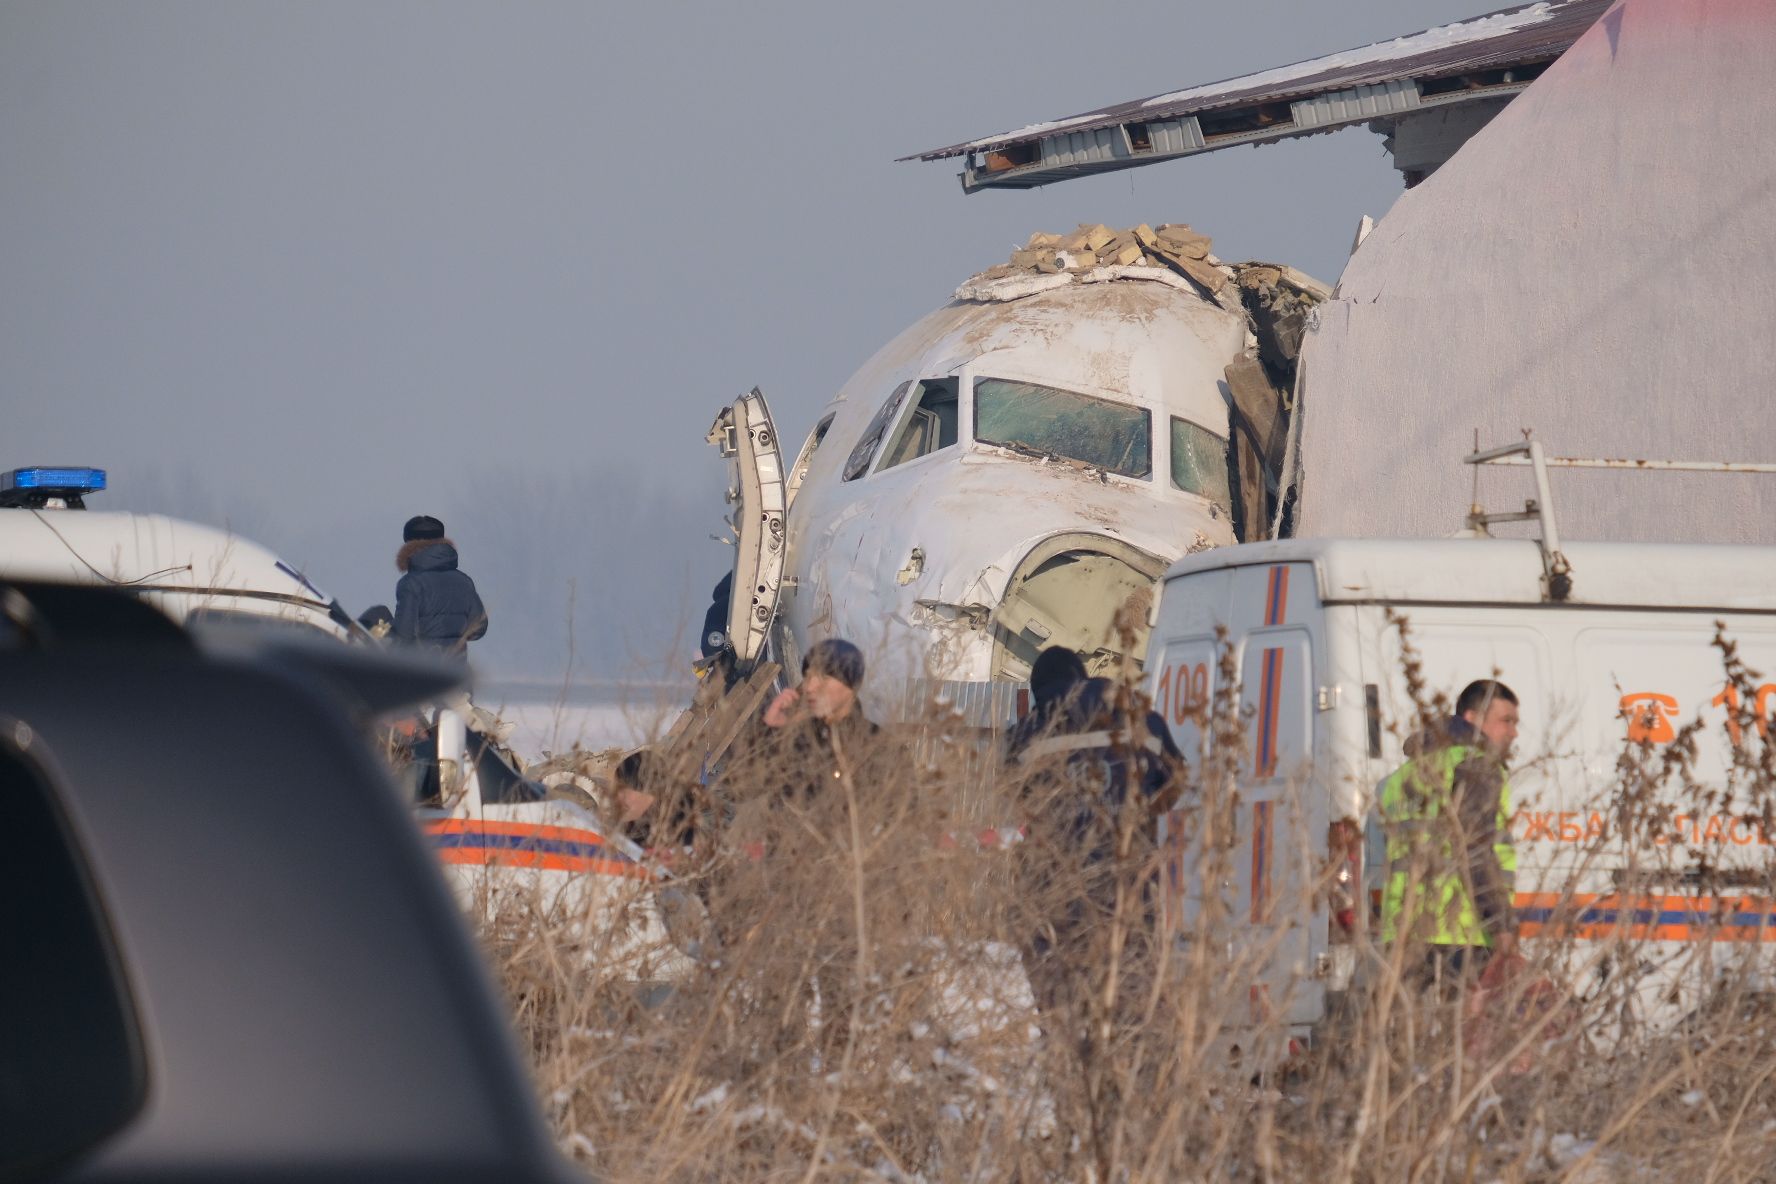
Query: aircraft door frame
747, 437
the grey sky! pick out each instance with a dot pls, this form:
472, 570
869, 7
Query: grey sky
308, 269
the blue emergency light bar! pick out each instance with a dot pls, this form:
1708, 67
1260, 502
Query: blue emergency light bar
33, 488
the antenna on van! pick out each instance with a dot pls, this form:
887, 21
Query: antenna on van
1556, 571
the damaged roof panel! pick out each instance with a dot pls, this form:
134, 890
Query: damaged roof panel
1435, 66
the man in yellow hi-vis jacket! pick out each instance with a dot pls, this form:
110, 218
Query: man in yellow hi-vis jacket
1447, 816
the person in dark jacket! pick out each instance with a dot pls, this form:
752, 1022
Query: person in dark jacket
715, 618
811, 732
1075, 722
435, 603
642, 780
789, 782
1055, 676
1079, 764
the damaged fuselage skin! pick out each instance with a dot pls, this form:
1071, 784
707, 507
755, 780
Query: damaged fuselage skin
1014, 471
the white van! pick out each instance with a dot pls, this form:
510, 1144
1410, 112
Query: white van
1318, 659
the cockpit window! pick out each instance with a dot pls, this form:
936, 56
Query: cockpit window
931, 425
1199, 462
1042, 421
858, 463
808, 449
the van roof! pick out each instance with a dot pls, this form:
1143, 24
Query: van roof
1509, 571
148, 551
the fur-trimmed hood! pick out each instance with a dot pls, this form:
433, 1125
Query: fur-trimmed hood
412, 555
1456, 733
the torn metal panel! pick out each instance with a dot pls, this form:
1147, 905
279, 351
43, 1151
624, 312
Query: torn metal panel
1422, 141
994, 705
1262, 410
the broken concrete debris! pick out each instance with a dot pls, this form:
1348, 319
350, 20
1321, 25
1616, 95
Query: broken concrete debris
1173, 246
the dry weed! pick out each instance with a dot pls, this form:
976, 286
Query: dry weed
862, 1006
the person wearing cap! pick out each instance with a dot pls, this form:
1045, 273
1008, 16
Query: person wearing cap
436, 604
377, 621
814, 729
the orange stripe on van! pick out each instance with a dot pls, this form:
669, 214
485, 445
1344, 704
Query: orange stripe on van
1270, 683
1647, 918
1276, 599
464, 841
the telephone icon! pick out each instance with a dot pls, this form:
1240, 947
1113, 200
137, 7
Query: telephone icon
1649, 717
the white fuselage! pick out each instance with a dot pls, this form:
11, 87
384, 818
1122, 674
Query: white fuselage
910, 560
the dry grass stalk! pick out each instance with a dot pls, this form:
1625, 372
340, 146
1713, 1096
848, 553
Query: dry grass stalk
863, 1010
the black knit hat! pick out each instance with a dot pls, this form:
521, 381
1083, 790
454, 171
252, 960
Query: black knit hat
839, 659
424, 526
1057, 670
376, 614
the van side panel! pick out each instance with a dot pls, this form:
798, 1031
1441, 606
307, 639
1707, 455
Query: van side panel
1265, 880
1183, 674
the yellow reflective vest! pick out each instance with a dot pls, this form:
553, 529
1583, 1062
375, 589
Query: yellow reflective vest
1425, 842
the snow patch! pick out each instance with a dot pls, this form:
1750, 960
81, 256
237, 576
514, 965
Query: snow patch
1442, 37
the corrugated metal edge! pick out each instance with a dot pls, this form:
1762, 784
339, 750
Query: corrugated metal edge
1359, 102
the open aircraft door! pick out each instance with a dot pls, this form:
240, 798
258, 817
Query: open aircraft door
747, 438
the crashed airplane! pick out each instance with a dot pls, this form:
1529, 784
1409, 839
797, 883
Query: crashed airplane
1019, 468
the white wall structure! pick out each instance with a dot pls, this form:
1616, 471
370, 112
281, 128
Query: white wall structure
1599, 265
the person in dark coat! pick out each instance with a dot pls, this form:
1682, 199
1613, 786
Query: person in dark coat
435, 604
797, 770
1079, 761
810, 732
715, 618
1075, 721
1056, 674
